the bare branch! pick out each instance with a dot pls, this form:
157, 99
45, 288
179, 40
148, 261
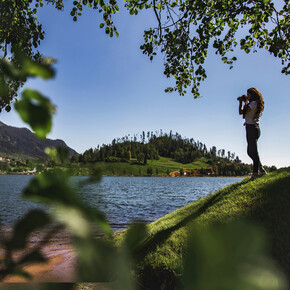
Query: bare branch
159, 21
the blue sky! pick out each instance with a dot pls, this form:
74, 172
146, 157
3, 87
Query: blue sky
106, 88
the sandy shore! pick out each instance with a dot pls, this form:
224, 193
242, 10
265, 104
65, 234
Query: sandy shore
60, 266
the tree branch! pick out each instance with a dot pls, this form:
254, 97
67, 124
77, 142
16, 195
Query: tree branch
157, 16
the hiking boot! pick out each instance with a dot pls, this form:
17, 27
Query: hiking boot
262, 171
254, 176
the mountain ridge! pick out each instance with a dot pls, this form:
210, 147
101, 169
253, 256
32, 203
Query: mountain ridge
22, 142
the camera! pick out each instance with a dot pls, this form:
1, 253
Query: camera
242, 98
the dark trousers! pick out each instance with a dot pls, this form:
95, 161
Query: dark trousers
253, 133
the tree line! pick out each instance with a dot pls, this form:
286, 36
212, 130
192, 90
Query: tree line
150, 146
142, 147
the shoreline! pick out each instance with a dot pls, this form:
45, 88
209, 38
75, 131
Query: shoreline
32, 174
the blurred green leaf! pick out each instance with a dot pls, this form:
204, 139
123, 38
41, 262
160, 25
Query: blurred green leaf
135, 236
96, 176
54, 188
63, 154
3, 88
100, 261
37, 111
34, 69
230, 257
33, 257
50, 187
10, 71
24, 227
74, 219
59, 154
52, 153
48, 61
96, 259
22, 273
27, 68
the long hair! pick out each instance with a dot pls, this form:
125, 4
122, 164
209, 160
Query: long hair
257, 96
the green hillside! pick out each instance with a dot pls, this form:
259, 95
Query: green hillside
264, 202
164, 152
160, 167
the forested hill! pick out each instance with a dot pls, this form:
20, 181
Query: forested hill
23, 143
153, 146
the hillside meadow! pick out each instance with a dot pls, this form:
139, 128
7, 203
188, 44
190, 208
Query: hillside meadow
242, 223
162, 167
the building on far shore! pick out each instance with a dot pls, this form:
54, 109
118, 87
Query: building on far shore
2, 159
195, 172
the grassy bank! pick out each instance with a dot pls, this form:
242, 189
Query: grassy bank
264, 201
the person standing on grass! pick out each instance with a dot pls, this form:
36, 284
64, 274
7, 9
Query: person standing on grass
251, 111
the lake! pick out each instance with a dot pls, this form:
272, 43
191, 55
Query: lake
122, 199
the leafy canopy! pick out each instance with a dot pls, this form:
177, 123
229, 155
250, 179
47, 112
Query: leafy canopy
185, 30
19, 29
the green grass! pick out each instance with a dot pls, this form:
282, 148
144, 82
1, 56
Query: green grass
160, 167
264, 201
169, 163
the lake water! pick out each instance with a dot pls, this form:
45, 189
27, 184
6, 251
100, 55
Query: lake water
122, 199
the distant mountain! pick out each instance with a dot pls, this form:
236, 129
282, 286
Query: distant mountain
23, 143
